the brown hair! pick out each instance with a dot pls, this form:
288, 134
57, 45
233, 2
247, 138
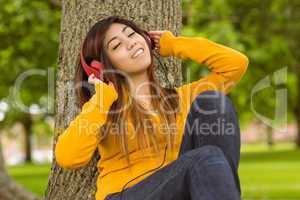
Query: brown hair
165, 104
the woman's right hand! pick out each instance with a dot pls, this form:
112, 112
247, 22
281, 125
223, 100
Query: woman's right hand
156, 35
94, 80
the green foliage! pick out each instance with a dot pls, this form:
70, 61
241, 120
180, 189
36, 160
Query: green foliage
29, 40
265, 31
29, 31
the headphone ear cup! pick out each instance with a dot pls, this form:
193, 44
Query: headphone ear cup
96, 64
88, 70
99, 68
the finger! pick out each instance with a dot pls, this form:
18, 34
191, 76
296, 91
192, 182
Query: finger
154, 33
111, 84
90, 81
158, 39
157, 31
99, 81
153, 36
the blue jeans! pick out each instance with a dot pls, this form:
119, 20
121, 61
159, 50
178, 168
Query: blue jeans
207, 165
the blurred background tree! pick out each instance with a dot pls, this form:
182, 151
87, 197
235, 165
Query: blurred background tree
266, 31
29, 43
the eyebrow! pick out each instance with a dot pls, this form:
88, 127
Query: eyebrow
123, 30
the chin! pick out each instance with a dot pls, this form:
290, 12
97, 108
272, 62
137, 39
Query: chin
140, 64
143, 63
139, 69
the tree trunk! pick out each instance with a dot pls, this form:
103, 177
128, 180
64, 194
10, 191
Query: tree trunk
269, 134
297, 109
77, 18
2, 164
9, 190
27, 123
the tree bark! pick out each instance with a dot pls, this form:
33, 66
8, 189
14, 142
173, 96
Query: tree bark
9, 189
27, 123
2, 164
77, 18
269, 136
297, 109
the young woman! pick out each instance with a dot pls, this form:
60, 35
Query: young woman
155, 142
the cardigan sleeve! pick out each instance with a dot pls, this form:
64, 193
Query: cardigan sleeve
76, 145
227, 66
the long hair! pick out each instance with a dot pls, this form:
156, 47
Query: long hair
165, 100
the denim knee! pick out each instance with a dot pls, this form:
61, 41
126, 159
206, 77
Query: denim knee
206, 152
211, 102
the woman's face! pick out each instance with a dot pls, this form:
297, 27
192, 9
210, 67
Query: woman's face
126, 49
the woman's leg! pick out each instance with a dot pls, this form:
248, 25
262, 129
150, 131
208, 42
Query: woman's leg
212, 120
187, 178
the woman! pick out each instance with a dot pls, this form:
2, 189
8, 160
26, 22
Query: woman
154, 142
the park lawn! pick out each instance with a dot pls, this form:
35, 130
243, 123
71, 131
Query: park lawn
34, 177
264, 173
270, 173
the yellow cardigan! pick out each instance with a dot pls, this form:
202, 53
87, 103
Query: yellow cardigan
76, 145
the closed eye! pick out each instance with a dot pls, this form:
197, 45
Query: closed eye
120, 42
131, 34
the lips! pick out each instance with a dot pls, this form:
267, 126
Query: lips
137, 52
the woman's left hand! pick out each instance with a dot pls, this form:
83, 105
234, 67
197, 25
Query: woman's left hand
156, 37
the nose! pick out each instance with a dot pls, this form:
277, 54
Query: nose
131, 44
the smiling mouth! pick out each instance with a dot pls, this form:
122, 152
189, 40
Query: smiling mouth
137, 53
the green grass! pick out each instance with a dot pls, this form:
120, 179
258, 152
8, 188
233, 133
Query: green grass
265, 173
32, 176
270, 173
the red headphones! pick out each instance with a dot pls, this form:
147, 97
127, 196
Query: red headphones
97, 67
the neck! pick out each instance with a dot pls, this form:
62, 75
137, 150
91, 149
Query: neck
139, 87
